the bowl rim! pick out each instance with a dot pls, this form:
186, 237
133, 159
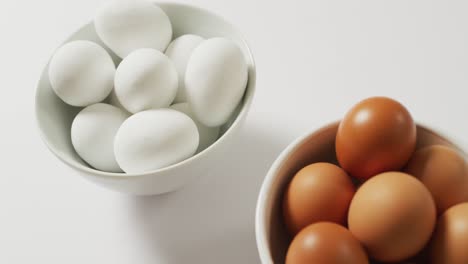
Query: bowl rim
271, 178
247, 102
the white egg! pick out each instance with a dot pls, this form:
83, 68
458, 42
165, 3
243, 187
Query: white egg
215, 80
154, 139
179, 51
127, 25
81, 73
145, 79
92, 133
208, 135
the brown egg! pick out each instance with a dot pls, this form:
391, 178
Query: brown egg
326, 243
450, 242
376, 135
393, 215
318, 192
444, 171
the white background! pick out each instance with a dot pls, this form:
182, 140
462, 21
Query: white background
315, 59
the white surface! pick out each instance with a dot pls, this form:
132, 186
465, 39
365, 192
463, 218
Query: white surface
314, 60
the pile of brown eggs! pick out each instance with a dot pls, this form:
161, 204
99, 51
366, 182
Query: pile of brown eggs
385, 202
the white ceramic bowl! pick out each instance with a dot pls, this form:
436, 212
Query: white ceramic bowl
319, 145
54, 117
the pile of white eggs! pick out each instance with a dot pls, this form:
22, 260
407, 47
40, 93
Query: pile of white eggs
165, 100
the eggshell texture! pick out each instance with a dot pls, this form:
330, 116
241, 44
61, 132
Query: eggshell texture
444, 172
154, 139
208, 135
179, 51
318, 192
92, 134
215, 80
145, 79
127, 25
376, 135
449, 244
393, 215
81, 73
325, 243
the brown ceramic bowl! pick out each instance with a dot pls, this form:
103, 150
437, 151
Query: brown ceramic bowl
319, 145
